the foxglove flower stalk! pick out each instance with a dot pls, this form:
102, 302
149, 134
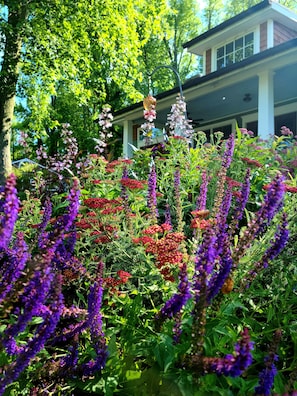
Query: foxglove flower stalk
177, 121
9, 206
175, 304
105, 122
64, 161
95, 326
234, 364
13, 264
152, 194
41, 335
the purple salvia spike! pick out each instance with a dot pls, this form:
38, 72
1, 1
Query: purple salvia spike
273, 203
167, 215
33, 302
174, 305
235, 364
225, 266
204, 263
179, 214
43, 235
241, 203
9, 205
202, 198
152, 193
228, 153
37, 342
95, 325
14, 263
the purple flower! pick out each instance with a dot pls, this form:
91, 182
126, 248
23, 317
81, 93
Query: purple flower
95, 326
241, 203
272, 204
201, 201
152, 193
33, 302
43, 235
204, 263
234, 364
13, 263
174, 305
266, 376
225, 265
9, 206
179, 214
278, 243
228, 153
41, 335
167, 215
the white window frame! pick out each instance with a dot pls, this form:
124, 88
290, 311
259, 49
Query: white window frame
256, 48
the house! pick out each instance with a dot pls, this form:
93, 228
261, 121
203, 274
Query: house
249, 78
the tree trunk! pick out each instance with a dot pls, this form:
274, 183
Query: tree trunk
17, 14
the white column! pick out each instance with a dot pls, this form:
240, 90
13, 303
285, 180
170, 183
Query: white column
265, 105
127, 138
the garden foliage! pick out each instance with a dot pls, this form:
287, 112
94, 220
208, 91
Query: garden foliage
169, 274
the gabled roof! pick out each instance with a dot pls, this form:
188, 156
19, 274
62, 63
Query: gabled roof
267, 9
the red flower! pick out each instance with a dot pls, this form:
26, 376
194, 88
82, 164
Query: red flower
250, 161
124, 276
131, 183
291, 189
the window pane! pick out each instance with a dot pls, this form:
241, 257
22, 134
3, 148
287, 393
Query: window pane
239, 55
239, 43
220, 63
220, 52
229, 48
249, 38
229, 59
248, 51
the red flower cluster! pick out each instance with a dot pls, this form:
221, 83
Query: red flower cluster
199, 221
113, 282
100, 203
131, 183
252, 162
166, 249
233, 183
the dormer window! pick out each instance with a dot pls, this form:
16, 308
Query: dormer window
235, 50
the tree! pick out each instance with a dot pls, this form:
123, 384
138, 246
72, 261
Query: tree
179, 25
86, 47
213, 13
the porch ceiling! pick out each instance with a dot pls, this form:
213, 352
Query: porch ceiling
228, 102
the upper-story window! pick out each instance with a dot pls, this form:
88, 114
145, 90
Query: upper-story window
235, 51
